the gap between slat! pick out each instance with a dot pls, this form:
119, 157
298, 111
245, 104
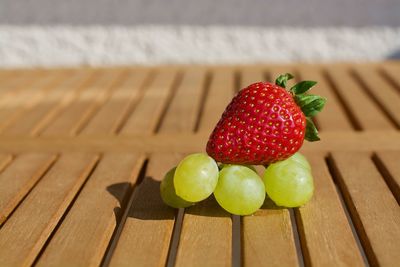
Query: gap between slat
167, 102
176, 235
98, 103
237, 81
70, 205
374, 99
236, 241
30, 189
296, 228
333, 171
142, 88
125, 207
204, 95
389, 79
387, 177
353, 120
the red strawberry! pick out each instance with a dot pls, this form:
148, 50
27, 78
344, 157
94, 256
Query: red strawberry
265, 123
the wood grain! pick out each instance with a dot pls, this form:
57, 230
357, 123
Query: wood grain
19, 178
374, 210
385, 94
333, 116
391, 72
248, 76
5, 159
183, 111
267, 237
189, 143
219, 94
113, 113
147, 231
86, 231
14, 104
148, 111
206, 236
166, 112
355, 99
24, 234
17, 81
324, 230
388, 162
33, 118
73, 117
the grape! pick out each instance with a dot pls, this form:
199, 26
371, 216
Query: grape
168, 194
288, 183
196, 177
251, 167
239, 190
299, 158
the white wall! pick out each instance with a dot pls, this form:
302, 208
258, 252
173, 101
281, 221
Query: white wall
107, 32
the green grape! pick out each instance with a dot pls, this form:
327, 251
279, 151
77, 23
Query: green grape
168, 194
288, 183
239, 190
251, 167
301, 159
196, 177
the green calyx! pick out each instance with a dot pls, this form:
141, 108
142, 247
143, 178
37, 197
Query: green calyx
309, 104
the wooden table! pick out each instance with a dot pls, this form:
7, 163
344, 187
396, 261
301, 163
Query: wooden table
82, 153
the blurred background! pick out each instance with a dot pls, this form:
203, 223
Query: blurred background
111, 32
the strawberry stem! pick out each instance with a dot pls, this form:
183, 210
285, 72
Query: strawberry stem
282, 79
310, 104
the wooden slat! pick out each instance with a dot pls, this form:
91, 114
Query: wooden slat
374, 210
366, 113
4, 74
5, 159
183, 111
33, 119
333, 116
74, 116
149, 110
385, 94
220, 93
326, 235
206, 236
190, 143
251, 75
110, 116
24, 234
392, 71
147, 231
86, 231
181, 116
14, 104
17, 81
19, 178
268, 238
389, 162
213, 246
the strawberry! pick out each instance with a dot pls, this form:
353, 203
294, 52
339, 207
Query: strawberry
265, 123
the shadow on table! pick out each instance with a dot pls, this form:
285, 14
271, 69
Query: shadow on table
119, 190
147, 203
208, 207
270, 205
